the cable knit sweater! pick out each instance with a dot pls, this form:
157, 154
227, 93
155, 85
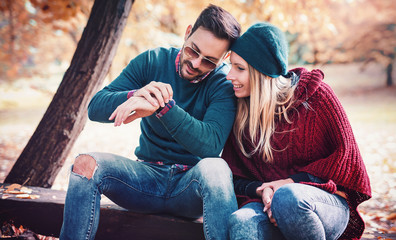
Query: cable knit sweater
319, 141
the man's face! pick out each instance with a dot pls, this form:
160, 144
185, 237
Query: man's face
208, 46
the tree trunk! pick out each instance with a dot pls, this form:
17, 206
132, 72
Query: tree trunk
389, 72
47, 149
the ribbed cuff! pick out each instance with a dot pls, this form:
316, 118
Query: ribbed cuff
251, 189
130, 93
300, 177
163, 110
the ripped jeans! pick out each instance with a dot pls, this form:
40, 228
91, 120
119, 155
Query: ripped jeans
205, 189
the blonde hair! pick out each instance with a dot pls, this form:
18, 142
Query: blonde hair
269, 98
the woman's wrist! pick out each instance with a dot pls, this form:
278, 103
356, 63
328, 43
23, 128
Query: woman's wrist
274, 185
259, 192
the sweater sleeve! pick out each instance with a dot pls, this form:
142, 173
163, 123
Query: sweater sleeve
104, 102
343, 166
204, 138
300, 177
246, 187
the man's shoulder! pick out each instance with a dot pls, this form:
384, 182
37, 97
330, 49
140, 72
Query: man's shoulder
154, 56
162, 51
159, 56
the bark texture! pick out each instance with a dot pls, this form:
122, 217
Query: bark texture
65, 118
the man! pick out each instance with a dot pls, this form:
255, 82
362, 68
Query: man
187, 109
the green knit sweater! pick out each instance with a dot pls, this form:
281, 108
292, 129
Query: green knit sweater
196, 127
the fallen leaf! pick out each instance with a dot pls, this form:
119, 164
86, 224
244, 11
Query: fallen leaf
381, 229
13, 187
12, 191
32, 196
5, 196
22, 196
19, 192
368, 236
27, 196
26, 190
391, 216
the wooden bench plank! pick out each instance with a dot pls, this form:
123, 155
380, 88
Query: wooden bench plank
44, 216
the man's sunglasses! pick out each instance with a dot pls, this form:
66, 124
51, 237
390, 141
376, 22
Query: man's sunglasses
205, 62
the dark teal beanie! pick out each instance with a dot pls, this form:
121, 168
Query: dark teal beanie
264, 47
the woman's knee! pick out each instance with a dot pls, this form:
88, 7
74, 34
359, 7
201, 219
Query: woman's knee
289, 194
288, 199
241, 217
250, 222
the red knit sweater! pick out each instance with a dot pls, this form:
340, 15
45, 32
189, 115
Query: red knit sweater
319, 141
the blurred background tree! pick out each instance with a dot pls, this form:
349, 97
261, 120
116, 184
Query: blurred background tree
36, 34
375, 40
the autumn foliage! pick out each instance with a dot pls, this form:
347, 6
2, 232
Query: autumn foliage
36, 34
9, 231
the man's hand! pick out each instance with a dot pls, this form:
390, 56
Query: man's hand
156, 93
131, 109
266, 191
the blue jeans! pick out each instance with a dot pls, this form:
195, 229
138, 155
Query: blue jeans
205, 189
301, 212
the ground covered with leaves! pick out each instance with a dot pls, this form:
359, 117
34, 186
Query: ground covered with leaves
370, 107
8, 230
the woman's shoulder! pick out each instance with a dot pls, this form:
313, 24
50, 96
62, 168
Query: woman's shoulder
308, 84
314, 92
311, 83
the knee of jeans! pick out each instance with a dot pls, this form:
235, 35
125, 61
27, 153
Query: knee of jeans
241, 217
214, 170
236, 219
288, 198
85, 165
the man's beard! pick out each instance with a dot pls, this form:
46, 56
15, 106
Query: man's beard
196, 70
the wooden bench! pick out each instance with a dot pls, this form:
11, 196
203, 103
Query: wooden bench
45, 214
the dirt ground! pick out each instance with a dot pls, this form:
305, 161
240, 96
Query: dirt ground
370, 106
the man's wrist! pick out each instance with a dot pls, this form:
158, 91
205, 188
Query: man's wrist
163, 110
131, 93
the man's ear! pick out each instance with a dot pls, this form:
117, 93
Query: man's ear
188, 32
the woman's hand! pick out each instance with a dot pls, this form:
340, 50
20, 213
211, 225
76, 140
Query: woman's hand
266, 191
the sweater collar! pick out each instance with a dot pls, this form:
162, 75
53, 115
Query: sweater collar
307, 85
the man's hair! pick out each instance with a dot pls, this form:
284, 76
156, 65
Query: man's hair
220, 22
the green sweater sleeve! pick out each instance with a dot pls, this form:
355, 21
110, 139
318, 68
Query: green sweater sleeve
104, 102
204, 138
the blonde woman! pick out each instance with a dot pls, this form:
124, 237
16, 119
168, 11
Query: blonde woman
298, 173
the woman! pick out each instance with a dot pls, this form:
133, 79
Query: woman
298, 172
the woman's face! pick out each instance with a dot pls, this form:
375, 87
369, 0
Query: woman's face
239, 76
